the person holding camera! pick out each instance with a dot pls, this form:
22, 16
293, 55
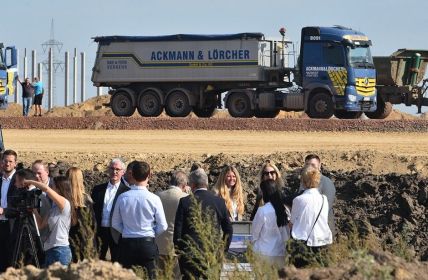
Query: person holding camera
58, 221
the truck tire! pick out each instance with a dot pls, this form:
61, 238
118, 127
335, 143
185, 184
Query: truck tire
266, 114
149, 104
382, 111
177, 104
239, 105
321, 106
342, 114
121, 104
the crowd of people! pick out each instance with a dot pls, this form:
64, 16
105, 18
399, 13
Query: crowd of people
136, 227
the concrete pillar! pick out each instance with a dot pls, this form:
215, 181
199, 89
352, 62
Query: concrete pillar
82, 76
99, 91
33, 64
66, 80
40, 71
75, 77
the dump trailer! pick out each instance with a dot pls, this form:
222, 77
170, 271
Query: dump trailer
184, 73
8, 74
400, 80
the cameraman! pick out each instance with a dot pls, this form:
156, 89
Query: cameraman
59, 219
20, 209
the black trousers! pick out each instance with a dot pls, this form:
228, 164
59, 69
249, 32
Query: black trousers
139, 252
107, 242
5, 248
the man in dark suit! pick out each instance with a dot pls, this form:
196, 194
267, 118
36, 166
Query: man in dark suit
7, 182
104, 197
184, 229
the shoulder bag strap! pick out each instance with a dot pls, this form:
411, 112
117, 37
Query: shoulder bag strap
316, 220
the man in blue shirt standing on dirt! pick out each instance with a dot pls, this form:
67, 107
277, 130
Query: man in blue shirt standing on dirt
38, 96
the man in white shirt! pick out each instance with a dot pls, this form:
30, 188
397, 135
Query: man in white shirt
104, 197
7, 187
140, 217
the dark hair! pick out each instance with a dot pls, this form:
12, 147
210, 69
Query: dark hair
140, 171
178, 178
10, 153
274, 196
130, 165
63, 187
26, 174
312, 156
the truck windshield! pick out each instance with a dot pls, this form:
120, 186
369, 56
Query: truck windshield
360, 57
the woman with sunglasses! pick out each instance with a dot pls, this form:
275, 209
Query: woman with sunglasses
269, 171
229, 187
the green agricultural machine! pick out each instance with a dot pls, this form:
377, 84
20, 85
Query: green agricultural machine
400, 79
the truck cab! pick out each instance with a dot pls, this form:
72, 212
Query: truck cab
336, 72
8, 74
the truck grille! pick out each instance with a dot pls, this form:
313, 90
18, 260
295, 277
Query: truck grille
365, 86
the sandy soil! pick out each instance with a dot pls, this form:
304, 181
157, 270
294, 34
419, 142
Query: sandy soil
379, 153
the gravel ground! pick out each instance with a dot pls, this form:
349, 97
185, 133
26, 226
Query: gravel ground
213, 124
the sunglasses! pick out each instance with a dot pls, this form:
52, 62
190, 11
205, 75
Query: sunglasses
266, 173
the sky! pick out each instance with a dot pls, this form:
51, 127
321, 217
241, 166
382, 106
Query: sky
389, 24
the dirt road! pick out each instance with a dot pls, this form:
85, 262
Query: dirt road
378, 152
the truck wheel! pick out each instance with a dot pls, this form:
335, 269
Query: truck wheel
121, 104
321, 106
266, 114
149, 104
382, 111
177, 104
342, 114
239, 105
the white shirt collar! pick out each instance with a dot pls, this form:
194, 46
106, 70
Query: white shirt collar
135, 187
312, 190
110, 185
10, 176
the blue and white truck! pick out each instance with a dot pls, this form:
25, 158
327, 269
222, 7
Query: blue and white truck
8, 74
181, 73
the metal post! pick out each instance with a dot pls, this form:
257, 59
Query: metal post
82, 76
18, 86
66, 81
75, 77
50, 101
99, 91
33, 63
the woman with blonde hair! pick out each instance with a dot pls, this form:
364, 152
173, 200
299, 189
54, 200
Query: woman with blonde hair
229, 187
309, 215
269, 171
83, 231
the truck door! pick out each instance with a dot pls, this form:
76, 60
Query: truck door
336, 74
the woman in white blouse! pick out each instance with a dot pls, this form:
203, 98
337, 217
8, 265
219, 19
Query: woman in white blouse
269, 230
309, 213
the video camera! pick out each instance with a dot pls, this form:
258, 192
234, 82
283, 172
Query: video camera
26, 200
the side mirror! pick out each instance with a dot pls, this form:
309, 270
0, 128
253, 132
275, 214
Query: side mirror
11, 57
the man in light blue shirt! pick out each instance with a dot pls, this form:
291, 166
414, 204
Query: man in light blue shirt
38, 96
140, 217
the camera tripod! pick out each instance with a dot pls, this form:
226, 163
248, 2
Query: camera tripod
24, 231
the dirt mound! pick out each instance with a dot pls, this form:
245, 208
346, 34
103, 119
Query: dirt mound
95, 270
373, 265
398, 115
93, 107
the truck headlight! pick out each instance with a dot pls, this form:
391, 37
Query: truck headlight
352, 98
